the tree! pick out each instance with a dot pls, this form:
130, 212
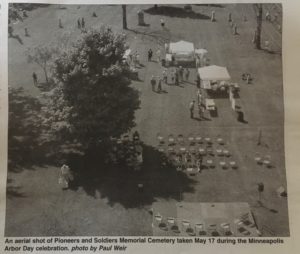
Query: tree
124, 16
14, 13
92, 99
42, 55
258, 11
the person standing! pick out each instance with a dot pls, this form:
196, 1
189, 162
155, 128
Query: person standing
198, 81
34, 77
200, 110
82, 23
173, 76
165, 76
199, 97
162, 23
158, 53
187, 74
192, 107
78, 24
150, 53
137, 59
159, 85
180, 73
153, 83
198, 65
65, 176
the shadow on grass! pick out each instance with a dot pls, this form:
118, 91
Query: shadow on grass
14, 192
120, 184
30, 6
24, 148
241, 117
17, 37
172, 11
219, 94
211, 5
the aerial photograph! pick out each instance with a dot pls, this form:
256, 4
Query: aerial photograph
146, 120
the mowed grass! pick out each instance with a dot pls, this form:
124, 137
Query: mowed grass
37, 206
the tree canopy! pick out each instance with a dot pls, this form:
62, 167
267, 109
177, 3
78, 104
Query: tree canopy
92, 99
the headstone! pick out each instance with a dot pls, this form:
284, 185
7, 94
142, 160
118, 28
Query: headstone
60, 24
229, 17
213, 17
235, 30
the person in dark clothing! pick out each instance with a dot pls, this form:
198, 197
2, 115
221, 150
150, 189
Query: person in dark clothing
159, 85
60, 24
82, 23
78, 24
34, 76
150, 54
197, 83
176, 78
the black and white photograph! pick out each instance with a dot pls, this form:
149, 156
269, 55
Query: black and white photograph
146, 120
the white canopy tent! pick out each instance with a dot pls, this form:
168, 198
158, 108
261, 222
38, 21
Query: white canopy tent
213, 72
201, 52
181, 47
182, 50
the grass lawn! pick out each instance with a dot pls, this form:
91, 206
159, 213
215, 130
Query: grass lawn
36, 206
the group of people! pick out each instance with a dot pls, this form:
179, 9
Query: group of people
81, 23
156, 83
150, 55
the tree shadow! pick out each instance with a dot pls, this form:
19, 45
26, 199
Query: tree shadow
17, 37
119, 184
14, 192
272, 51
211, 5
221, 94
24, 147
241, 117
30, 6
201, 119
178, 12
46, 86
214, 113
